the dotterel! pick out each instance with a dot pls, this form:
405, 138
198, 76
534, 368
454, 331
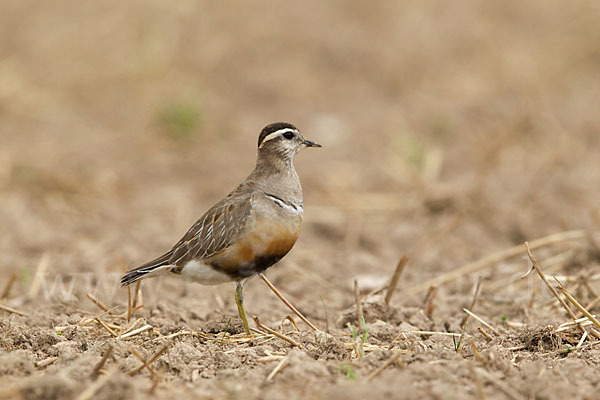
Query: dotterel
248, 231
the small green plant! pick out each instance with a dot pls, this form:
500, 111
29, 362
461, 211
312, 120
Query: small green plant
25, 277
457, 344
180, 120
365, 333
414, 151
348, 370
353, 331
226, 331
359, 343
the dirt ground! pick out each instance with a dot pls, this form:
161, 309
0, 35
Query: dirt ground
452, 133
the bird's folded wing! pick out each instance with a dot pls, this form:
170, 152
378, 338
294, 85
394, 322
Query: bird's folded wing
216, 230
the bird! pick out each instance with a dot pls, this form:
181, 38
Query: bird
249, 230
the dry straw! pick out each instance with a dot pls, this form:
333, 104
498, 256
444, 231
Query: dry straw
287, 303
395, 278
495, 258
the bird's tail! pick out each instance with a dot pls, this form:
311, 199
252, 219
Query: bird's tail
159, 266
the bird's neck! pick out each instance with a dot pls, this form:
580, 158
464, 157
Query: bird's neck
278, 176
273, 164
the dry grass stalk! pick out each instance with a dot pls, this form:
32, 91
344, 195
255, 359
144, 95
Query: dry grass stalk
6, 291
532, 297
484, 333
551, 264
134, 309
393, 342
105, 326
567, 325
128, 304
133, 325
41, 270
142, 359
538, 269
137, 293
155, 381
476, 352
278, 368
383, 366
473, 300
583, 280
583, 337
91, 390
136, 332
429, 299
292, 321
429, 333
359, 312
87, 321
480, 320
12, 310
515, 324
463, 323
270, 358
46, 362
98, 303
371, 347
495, 258
174, 335
275, 333
395, 278
579, 306
287, 303
150, 361
111, 326
98, 367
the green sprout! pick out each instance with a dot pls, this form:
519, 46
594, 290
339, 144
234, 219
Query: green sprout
360, 344
365, 334
348, 370
226, 330
180, 120
457, 347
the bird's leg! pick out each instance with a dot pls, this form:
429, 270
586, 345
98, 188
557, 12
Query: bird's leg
239, 300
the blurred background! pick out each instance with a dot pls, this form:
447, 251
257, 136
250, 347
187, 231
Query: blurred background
449, 131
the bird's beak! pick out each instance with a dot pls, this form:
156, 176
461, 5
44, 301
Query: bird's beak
310, 143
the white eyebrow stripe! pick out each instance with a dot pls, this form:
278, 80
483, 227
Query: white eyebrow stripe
273, 135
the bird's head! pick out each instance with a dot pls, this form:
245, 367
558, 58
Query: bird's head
282, 140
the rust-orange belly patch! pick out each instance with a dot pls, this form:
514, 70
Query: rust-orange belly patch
262, 247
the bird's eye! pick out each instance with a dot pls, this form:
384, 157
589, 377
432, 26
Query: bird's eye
288, 135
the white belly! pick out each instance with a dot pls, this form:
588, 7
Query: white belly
203, 274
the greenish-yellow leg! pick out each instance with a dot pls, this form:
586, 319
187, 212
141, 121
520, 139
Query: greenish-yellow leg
239, 300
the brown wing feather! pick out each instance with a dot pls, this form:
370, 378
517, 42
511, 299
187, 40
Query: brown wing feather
216, 230
213, 232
